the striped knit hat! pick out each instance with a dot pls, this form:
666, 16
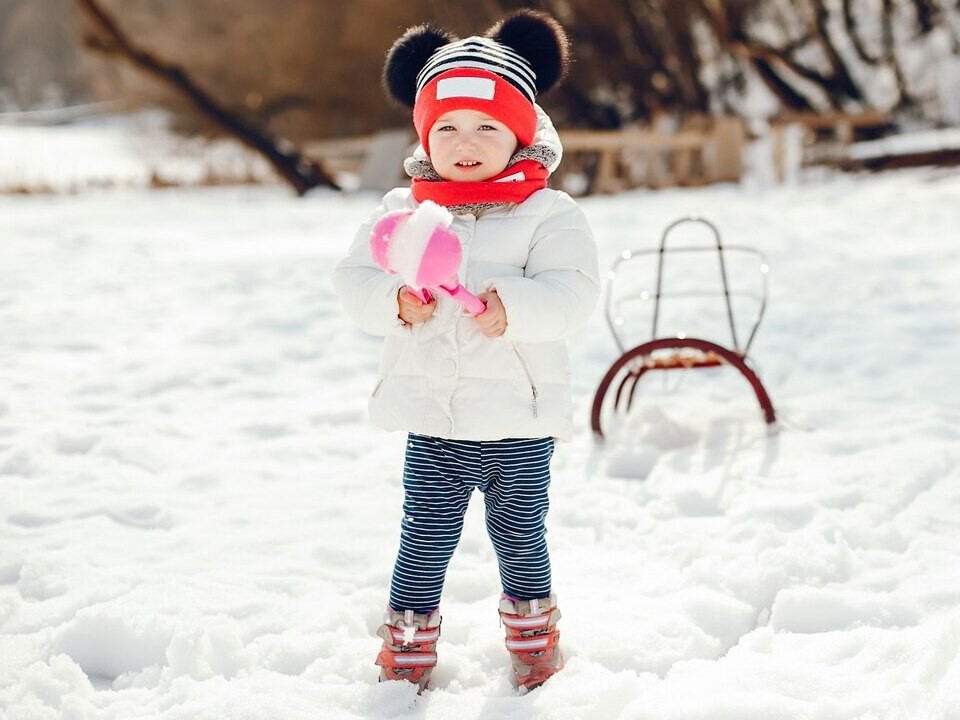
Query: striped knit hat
500, 73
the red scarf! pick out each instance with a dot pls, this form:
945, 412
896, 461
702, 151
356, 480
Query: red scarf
513, 185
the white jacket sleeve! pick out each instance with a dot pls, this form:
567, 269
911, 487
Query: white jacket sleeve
367, 293
560, 285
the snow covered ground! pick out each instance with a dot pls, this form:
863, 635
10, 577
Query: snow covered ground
136, 150
197, 521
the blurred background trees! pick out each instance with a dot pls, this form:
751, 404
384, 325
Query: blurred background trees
310, 69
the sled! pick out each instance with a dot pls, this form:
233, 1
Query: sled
616, 392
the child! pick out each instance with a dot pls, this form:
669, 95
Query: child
482, 397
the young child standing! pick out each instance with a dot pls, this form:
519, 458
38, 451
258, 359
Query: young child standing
482, 397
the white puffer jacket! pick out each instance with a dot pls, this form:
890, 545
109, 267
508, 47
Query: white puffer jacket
444, 377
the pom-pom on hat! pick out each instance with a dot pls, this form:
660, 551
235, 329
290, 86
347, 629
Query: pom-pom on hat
500, 73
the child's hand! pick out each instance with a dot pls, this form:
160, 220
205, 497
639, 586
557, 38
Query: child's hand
493, 320
413, 310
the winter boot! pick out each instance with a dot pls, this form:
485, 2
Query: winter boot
409, 649
532, 639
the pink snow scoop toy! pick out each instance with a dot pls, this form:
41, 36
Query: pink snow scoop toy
419, 246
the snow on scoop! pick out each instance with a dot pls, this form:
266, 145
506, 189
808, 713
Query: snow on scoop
419, 246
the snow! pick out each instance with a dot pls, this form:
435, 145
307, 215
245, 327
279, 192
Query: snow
198, 521
136, 150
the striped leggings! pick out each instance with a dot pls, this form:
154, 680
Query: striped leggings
439, 477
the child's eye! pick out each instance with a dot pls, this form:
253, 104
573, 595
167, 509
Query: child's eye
487, 127
446, 128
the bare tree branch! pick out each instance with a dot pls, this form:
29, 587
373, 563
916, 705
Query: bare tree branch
293, 167
841, 80
853, 32
928, 14
763, 60
890, 51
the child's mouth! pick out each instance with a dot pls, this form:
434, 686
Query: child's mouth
468, 163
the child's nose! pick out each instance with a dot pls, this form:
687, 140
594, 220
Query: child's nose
467, 139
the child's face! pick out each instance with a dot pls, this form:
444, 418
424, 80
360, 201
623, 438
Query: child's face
468, 145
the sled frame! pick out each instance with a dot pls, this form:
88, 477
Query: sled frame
616, 391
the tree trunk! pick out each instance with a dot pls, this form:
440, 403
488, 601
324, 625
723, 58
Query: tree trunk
680, 17
293, 167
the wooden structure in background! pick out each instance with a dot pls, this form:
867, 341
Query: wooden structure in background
375, 161
700, 152
824, 138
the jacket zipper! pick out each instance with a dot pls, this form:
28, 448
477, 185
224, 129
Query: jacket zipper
534, 392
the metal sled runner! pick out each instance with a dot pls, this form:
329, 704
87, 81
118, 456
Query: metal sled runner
615, 394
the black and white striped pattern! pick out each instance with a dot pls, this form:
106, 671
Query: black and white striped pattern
439, 477
482, 54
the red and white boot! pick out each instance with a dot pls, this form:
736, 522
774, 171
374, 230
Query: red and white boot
532, 639
409, 650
